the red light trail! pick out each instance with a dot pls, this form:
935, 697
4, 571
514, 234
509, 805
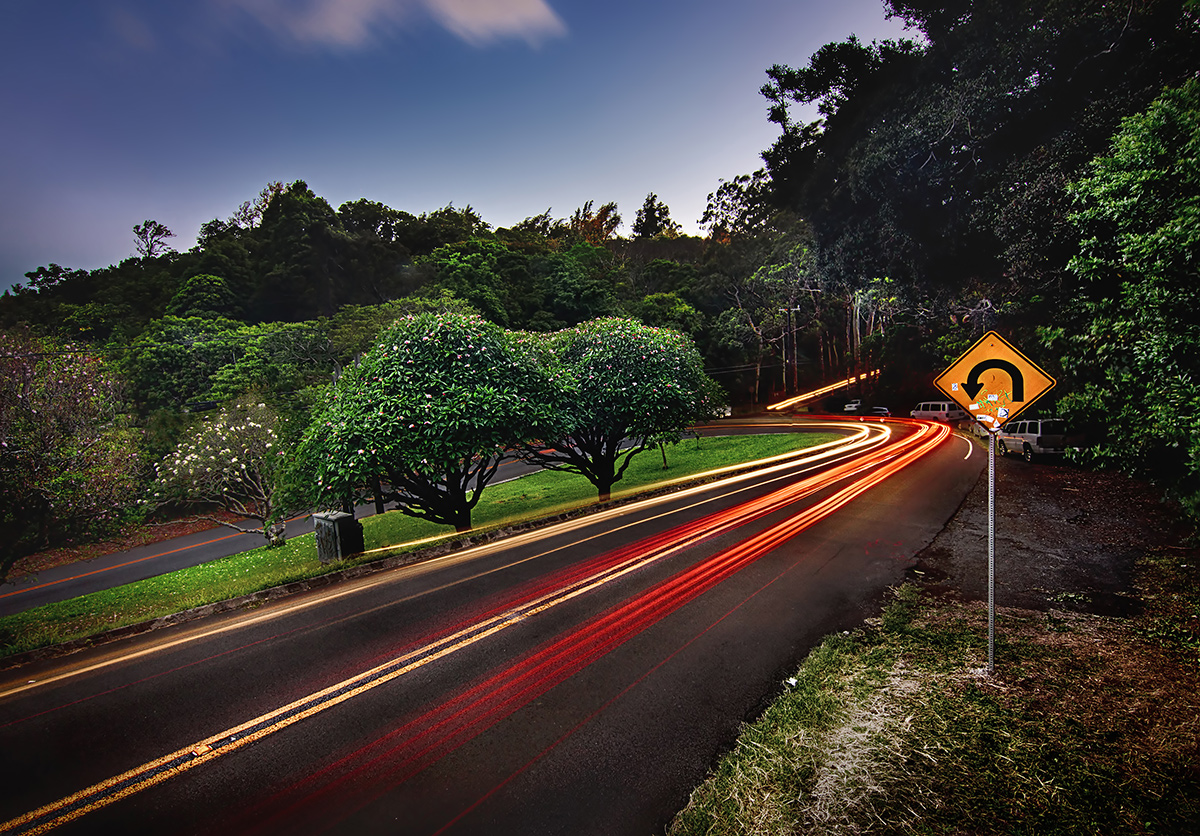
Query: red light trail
422, 741
358, 778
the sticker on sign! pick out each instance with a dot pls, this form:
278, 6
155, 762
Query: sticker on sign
993, 381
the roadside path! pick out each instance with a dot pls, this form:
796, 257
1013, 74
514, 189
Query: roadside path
71, 580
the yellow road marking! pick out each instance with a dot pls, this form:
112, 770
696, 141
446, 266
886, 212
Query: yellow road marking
206, 750
862, 439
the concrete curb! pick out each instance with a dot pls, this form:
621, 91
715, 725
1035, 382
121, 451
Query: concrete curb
276, 593
383, 564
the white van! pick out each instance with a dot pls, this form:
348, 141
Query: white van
944, 411
1033, 437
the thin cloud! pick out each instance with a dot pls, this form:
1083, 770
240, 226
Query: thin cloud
481, 21
349, 24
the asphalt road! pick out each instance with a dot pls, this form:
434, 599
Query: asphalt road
578, 679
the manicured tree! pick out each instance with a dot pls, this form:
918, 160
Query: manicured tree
67, 464
433, 409
233, 460
623, 387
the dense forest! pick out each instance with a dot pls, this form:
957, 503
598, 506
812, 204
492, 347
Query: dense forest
1027, 167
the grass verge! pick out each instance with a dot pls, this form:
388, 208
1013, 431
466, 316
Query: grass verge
1089, 725
522, 500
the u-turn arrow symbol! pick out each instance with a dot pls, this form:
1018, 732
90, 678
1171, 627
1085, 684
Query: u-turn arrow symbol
972, 386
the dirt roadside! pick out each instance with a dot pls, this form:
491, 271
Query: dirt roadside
1066, 539
1090, 722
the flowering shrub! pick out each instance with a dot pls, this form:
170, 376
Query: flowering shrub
68, 464
621, 383
431, 410
233, 460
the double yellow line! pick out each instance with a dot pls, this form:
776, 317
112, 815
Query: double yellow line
210, 748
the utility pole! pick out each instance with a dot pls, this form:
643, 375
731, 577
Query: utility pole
795, 366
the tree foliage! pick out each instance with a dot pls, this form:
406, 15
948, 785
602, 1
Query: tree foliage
233, 460
654, 220
204, 295
171, 362
68, 465
622, 387
596, 226
432, 410
669, 310
925, 150
520, 288
150, 238
1129, 339
250, 213
928, 198
739, 207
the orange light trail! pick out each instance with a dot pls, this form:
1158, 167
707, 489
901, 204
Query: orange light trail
411, 748
362, 776
816, 393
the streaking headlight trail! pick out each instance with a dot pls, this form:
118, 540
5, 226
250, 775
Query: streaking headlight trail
424, 740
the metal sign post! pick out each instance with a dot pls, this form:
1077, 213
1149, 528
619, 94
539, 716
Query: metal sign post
991, 666
993, 381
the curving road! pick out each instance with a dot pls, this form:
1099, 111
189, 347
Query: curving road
578, 679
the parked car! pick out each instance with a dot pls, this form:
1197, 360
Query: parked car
881, 411
1031, 437
945, 411
853, 406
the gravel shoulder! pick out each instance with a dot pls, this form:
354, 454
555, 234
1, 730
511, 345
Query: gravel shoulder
1066, 539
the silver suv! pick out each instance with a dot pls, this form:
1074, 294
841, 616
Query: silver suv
1033, 437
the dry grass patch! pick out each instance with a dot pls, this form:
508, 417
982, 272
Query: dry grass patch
1086, 727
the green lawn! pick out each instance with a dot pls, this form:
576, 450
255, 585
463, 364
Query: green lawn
521, 500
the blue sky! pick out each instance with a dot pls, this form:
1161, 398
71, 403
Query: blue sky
123, 110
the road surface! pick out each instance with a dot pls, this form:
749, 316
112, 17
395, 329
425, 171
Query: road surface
72, 580
579, 679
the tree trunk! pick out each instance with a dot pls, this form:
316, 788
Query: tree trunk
604, 486
757, 376
378, 488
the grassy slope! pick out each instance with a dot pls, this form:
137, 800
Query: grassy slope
1089, 725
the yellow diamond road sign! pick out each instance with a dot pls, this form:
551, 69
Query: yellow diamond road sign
993, 381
